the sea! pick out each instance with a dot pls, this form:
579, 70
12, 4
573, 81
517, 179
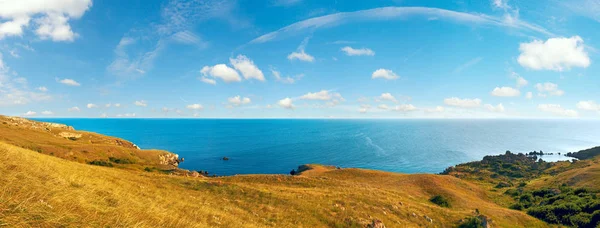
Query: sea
276, 146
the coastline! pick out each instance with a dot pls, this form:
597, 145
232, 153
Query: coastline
212, 157
112, 175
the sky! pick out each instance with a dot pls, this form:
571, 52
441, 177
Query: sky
300, 59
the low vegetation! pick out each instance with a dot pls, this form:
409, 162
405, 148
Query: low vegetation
564, 205
440, 201
585, 154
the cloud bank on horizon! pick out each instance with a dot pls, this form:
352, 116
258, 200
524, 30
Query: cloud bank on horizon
303, 59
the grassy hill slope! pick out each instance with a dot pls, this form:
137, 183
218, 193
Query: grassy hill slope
46, 191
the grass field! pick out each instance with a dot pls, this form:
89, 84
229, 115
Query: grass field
45, 191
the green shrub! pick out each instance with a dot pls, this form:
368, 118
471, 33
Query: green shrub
503, 184
440, 201
472, 222
121, 160
101, 163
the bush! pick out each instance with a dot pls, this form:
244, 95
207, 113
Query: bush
503, 184
101, 163
121, 160
440, 201
472, 222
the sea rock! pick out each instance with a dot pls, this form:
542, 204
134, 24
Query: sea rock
376, 223
225, 159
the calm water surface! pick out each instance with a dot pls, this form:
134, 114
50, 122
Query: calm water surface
279, 145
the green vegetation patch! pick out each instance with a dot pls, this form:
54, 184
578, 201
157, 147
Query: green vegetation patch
508, 166
121, 160
578, 207
440, 201
101, 163
585, 154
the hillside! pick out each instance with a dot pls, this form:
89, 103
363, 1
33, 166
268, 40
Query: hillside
48, 181
54, 175
85, 147
40, 190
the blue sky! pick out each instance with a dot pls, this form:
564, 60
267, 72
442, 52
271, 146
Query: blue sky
300, 59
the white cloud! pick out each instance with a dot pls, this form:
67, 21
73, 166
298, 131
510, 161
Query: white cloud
238, 100
55, 26
529, 95
15, 90
521, 82
468, 64
208, 80
117, 105
285, 80
357, 52
383, 106
556, 109
248, 69
107, 105
74, 109
385, 74
124, 65
505, 92
141, 103
29, 113
322, 95
222, 72
387, 97
392, 13
463, 103
42, 88
364, 108
69, 82
436, 109
90, 105
500, 4
286, 103
588, 105
188, 37
497, 108
299, 54
126, 115
14, 53
549, 88
195, 107
405, 108
557, 54
51, 17
47, 113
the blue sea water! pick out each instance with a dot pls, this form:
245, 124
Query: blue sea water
279, 145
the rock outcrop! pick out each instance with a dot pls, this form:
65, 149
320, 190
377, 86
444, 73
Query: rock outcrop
376, 224
69, 135
169, 159
22, 122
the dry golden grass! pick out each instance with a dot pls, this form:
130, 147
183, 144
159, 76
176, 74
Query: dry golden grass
44, 191
34, 135
587, 175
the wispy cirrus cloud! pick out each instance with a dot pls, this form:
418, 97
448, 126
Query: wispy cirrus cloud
396, 13
178, 18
